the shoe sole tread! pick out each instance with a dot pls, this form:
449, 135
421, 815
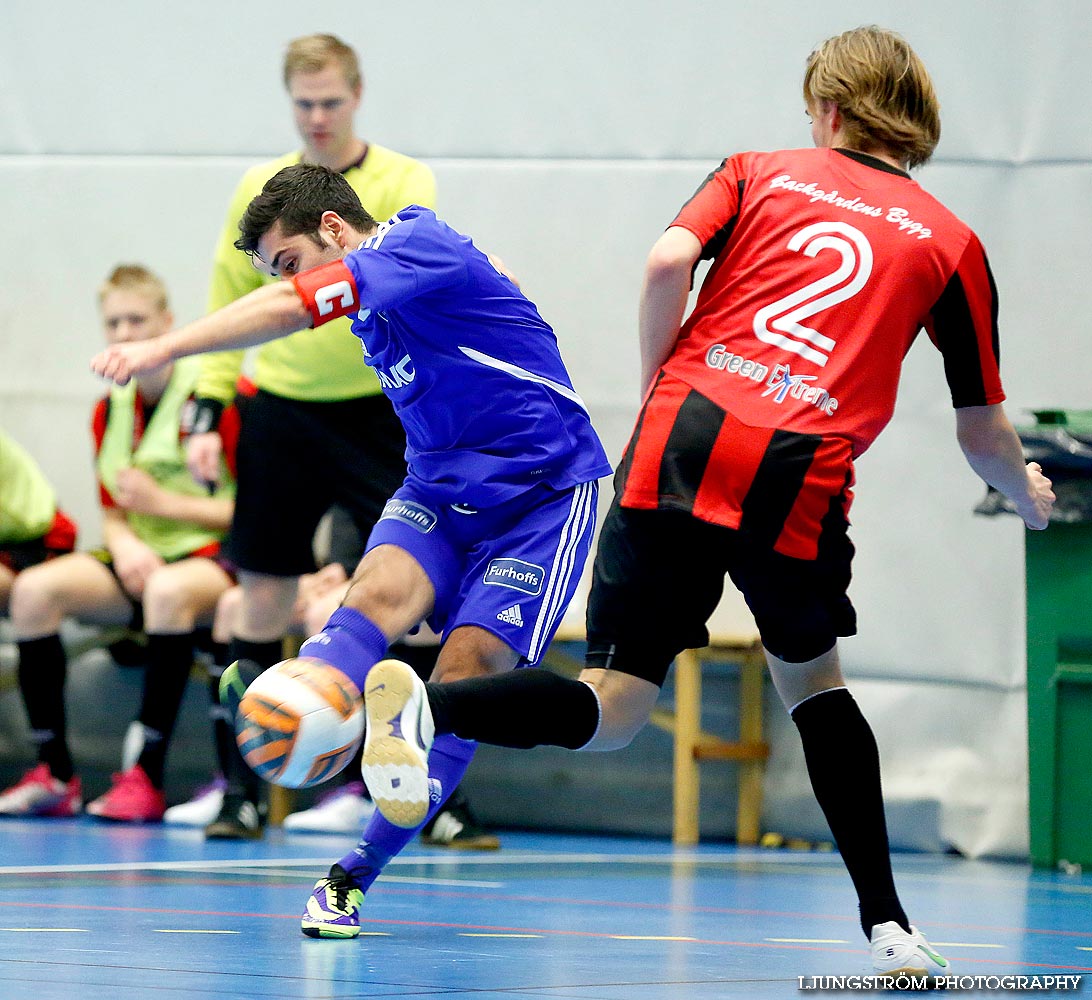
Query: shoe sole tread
393, 769
317, 930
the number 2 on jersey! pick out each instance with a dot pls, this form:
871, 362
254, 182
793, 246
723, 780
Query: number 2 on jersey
779, 322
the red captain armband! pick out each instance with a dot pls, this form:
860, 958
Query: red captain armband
328, 292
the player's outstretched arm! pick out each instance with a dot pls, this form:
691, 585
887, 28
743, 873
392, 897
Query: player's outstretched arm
992, 448
267, 313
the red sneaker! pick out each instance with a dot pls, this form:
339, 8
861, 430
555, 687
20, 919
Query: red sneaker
132, 798
38, 793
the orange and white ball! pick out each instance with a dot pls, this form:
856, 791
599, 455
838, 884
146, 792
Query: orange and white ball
299, 723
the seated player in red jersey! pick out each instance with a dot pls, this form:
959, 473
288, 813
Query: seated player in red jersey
159, 569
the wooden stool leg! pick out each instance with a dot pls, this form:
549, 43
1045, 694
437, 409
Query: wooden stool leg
281, 801
687, 730
749, 808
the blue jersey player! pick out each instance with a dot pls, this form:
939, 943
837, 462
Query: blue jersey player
488, 535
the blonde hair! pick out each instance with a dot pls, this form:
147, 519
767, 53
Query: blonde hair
882, 90
311, 53
135, 278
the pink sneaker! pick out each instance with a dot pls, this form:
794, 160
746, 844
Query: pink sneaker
38, 793
132, 798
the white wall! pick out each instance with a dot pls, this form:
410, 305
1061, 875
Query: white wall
564, 136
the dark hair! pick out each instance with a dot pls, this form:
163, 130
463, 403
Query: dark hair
296, 197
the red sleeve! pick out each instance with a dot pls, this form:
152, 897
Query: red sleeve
963, 326
328, 292
231, 421
713, 209
229, 434
98, 431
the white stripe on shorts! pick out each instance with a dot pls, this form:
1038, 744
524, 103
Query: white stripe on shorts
581, 518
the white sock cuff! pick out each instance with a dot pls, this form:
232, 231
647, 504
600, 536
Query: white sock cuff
598, 721
841, 687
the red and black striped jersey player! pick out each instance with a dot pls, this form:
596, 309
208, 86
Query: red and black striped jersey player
826, 264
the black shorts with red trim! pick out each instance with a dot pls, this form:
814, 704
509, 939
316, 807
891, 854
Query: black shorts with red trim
59, 540
298, 458
659, 576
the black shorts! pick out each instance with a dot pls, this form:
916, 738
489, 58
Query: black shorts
59, 540
18, 556
296, 459
659, 576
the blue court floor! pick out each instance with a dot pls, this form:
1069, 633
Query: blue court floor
93, 911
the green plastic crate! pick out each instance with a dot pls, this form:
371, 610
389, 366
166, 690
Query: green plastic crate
1059, 652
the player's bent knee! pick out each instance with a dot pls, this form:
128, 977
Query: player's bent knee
264, 594
625, 702
471, 651
380, 597
33, 600
168, 607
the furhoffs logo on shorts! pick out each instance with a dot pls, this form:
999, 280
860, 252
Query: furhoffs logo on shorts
412, 513
515, 573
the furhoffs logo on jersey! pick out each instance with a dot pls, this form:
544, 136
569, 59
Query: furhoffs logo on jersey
515, 573
412, 513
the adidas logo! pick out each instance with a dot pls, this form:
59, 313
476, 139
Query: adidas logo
512, 615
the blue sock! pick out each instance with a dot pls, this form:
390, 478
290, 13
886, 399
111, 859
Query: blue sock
382, 840
350, 641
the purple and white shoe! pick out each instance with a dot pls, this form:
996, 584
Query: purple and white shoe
333, 911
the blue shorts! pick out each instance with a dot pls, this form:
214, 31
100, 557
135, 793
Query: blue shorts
511, 569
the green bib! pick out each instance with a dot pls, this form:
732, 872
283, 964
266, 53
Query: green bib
27, 503
162, 456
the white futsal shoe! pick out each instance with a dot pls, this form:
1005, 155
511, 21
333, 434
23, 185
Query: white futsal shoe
896, 953
341, 810
202, 809
399, 736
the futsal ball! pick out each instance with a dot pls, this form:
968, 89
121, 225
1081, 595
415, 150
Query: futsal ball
299, 723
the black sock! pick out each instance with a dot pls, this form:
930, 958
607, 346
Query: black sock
218, 653
241, 780
42, 670
523, 709
170, 657
265, 654
844, 766
223, 726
